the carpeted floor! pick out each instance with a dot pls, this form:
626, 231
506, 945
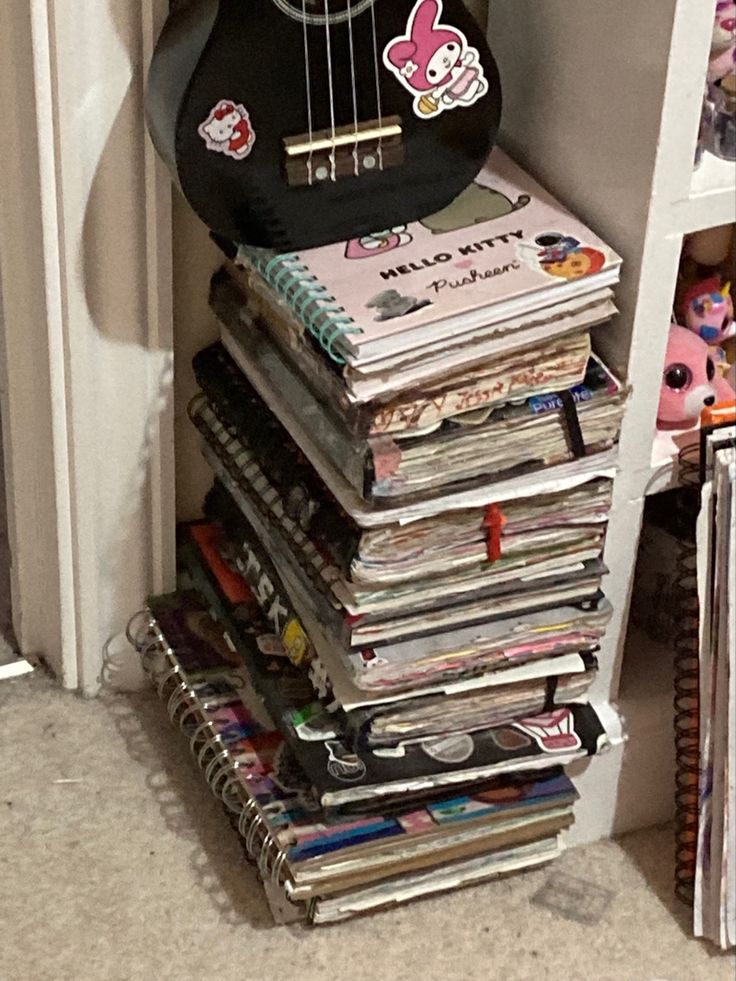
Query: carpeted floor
118, 865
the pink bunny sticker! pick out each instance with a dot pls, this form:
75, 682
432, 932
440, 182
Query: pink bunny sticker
435, 63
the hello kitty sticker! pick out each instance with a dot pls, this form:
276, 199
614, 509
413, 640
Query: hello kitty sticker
228, 130
435, 63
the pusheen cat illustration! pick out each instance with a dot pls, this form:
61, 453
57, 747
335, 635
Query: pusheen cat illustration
475, 205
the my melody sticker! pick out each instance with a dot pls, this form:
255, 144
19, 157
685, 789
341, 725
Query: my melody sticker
435, 63
228, 130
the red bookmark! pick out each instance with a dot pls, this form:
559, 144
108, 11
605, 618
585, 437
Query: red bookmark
494, 521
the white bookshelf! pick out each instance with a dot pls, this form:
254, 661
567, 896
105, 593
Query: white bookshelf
602, 102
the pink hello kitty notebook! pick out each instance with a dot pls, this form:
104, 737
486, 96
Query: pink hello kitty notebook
504, 247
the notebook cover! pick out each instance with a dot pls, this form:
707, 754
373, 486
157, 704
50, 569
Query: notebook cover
505, 238
340, 773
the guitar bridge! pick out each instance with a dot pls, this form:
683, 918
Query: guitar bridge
375, 145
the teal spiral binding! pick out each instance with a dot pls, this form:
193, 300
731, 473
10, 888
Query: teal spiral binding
310, 301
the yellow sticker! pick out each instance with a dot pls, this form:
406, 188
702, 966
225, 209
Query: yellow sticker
295, 641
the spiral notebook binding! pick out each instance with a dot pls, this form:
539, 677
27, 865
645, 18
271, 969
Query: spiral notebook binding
187, 710
687, 681
308, 299
234, 454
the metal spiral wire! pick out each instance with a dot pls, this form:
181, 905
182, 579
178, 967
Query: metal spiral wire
687, 685
188, 712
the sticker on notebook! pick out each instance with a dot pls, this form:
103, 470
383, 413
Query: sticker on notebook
391, 304
449, 749
204, 627
228, 130
508, 739
295, 641
435, 63
369, 659
475, 205
342, 764
379, 243
553, 732
561, 256
418, 822
270, 645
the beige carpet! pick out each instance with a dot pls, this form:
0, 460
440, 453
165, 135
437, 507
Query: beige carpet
118, 865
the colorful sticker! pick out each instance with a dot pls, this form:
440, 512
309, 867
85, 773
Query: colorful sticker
509, 739
561, 256
369, 659
271, 646
553, 732
295, 641
449, 749
418, 822
435, 63
379, 243
391, 304
228, 130
342, 764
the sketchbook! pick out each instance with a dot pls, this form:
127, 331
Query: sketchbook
287, 688
343, 775
554, 363
509, 543
459, 660
241, 300
568, 433
418, 608
504, 246
320, 866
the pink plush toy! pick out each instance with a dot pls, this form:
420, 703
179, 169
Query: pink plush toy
689, 381
708, 310
723, 45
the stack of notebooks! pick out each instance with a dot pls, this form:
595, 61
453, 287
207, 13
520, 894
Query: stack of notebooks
413, 444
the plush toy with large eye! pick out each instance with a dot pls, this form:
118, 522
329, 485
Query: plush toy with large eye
690, 382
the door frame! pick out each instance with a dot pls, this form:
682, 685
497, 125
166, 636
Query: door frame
86, 350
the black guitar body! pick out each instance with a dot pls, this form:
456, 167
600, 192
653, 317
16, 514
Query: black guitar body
228, 85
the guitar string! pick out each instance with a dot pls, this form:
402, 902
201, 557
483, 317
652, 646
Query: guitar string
315, 20
378, 88
356, 167
333, 168
308, 72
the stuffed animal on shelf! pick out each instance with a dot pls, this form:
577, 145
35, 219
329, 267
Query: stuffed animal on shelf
723, 45
708, 312
690, 381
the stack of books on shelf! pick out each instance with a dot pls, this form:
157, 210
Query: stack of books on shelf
402, 559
